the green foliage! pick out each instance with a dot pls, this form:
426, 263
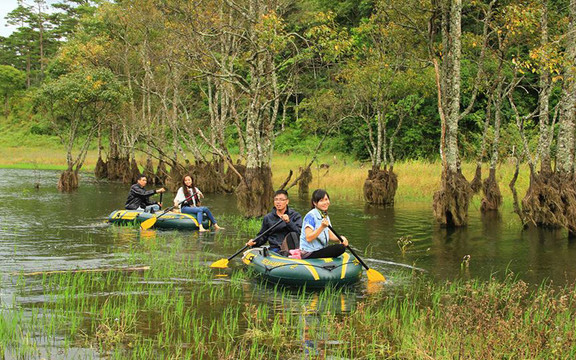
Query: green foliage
355, 60
11, 80
80, 90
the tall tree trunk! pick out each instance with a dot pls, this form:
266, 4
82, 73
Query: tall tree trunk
452, 200
551, 197
492, 195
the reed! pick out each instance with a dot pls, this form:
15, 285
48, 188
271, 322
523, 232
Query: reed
181, 308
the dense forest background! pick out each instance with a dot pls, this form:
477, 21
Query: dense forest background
216, 87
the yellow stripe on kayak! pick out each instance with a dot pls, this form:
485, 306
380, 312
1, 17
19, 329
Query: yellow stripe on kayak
306, 264
191, 217
126, 214
345, 258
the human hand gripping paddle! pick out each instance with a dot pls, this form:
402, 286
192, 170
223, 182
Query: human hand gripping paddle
223, 263
147, 224
373, 275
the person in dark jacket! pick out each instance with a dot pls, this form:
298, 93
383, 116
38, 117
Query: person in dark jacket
139, 198
287, 232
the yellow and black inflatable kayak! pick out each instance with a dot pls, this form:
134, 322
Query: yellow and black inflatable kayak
170, 220
345, 269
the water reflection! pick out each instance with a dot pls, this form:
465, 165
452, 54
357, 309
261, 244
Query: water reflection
311, 306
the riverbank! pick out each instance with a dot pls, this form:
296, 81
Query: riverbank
417, 180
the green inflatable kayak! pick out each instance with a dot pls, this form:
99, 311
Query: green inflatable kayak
345, 269
170, 220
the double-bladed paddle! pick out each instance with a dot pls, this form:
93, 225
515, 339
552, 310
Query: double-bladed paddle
223, 263
147, 224
373, 275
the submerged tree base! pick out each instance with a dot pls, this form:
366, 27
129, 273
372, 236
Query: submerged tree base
231, 179
380, 186
551, 201
101, 169
305, 180
254, 194
68, 181
452, 200
492, 197
209, 176
476, 183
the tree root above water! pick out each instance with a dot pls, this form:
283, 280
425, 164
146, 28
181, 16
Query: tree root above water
380, 186
452, 200
551, 201
492, 197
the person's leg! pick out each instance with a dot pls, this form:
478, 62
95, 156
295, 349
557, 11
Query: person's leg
211, 217
152, 208
328, 252
290, 242
196, 211
293, 240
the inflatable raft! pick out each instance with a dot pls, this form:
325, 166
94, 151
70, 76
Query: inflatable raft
170, 220
345, 269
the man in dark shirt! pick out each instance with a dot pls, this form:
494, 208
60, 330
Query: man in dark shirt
139, 198
287, 232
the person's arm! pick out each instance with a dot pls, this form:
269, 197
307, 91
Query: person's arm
179, 197
200, 195
141, 192
263, 239
311, 233
295, 223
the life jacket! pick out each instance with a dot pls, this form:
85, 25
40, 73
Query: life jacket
192, 198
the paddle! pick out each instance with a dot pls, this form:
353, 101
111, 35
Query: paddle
147, 224
223, 263
373, 275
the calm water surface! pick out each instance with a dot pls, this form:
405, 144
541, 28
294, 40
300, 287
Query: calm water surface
42, 229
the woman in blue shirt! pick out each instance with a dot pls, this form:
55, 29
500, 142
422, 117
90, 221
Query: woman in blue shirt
315, 234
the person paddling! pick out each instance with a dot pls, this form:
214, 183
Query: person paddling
139, 198
315, 234
284, 236
190, 195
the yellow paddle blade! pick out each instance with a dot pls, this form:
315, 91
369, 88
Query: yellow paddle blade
374, 275
221, 264
148, 223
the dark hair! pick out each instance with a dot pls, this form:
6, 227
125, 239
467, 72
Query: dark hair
184, 186
281, 192
140, 176
318, 195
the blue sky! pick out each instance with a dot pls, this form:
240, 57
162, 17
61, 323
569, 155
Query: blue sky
5, 7
8, 5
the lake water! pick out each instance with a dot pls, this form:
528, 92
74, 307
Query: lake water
42, 229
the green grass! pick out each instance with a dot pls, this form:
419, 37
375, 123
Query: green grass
417, 180
181, 308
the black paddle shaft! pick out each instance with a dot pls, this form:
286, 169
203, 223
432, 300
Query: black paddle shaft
349, 248
256, 238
